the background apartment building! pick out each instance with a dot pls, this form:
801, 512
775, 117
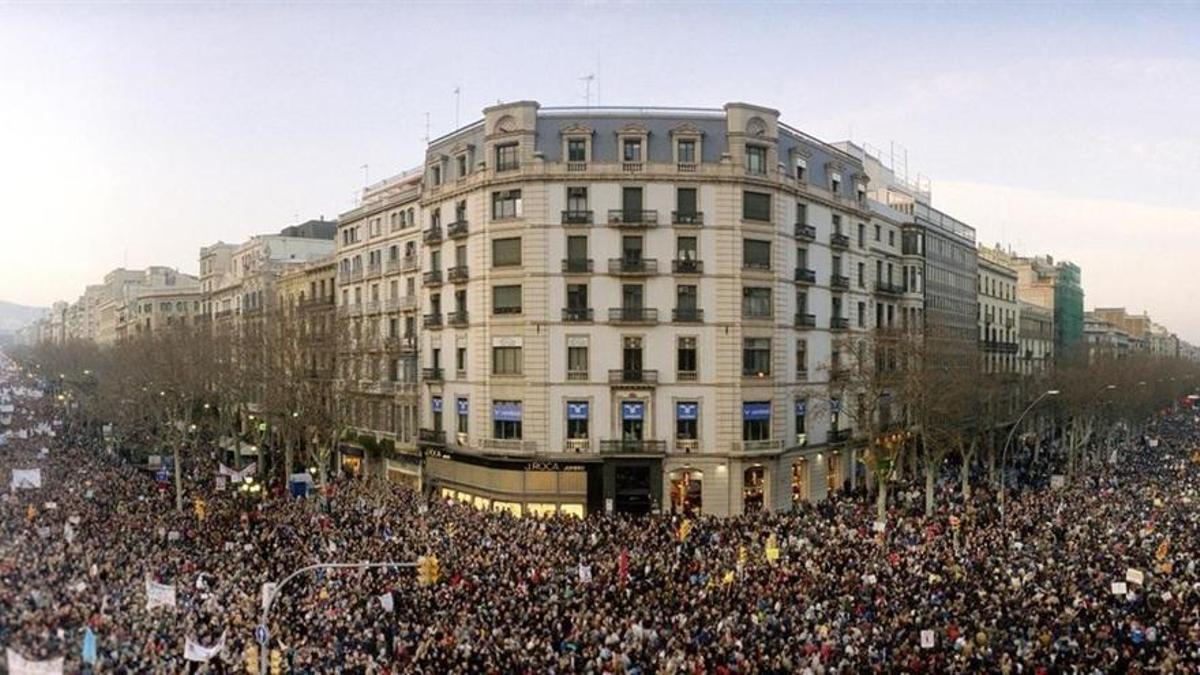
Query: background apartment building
1035, 337
999, 315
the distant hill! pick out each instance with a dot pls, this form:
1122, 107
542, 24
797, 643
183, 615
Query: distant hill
14, 316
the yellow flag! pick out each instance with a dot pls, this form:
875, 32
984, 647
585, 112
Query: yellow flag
1163, 549
772, 548
742, 555
728, 579
685, 528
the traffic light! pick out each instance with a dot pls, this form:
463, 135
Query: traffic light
252, 659
276, 662
428, 570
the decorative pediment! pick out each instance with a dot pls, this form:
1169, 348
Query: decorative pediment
861, 178
461, 148
802, 152
632, 129
835, 166
686, 129
505, 125
576, 129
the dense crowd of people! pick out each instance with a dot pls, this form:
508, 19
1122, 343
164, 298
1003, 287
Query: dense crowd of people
1099, 576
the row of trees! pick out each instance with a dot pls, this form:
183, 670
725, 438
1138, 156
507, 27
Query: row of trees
918, 401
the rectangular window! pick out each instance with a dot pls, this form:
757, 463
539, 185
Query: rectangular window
506, 420
756, 302
461, 406
577, 296
686, 151
862, 235
862, 275
506, 360
801, 360
687, 415
801, 213
756, 357
506, 204
756, 206
506, 157
862, 314
631, 150
576, 150
506, 299
460, 359
461, 163
756, 254
685, 358
577, 363
756, 421
577, 200
801, 169
577, 419
686, 248
506, 252
685, 203
837, 224
756, 160
801, 421
835, 182
686, 298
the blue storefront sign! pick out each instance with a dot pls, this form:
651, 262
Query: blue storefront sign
633, 410
835, 406
463, 406
801, 406
436, 404
687, 411
506, 411
756, 411
577, 410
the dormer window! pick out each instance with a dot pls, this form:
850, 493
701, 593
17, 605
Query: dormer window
860, 193
835, 182
801, 169
756, 160
461, 163
435, 175
686, 151
631, 150
576, 149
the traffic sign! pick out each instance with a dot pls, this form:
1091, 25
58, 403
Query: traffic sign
261, 634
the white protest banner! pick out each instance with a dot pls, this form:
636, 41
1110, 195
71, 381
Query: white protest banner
173, 536
1135, 576
236, 476
50, 506
385, 601
926, 639
1119, 588
1058, 482
221, 481
194, 651
26, 478
19, 665
69, 534
585, 573
268, 590
159, 595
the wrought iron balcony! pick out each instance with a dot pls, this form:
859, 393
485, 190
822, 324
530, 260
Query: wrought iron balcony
694, 218
457, 229
888, 288
576, 217
806, 320
805, 276
1000, 347
433, 235
839, 240
839, 281
687, 315
374, 269
577, 314
632, 266
432, 278
688, 266
431, 437
805, 231
577, 265
432, 321
577, 445
632, 315
458, 318
404, 344
839, 323
632, 217
408, 263
632, 447
458, 274
632, 376
431, 374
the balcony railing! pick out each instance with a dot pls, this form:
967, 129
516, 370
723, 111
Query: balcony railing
686, 167
632, 447
632, 217
839, 281
577, 314
408, 263
806, 320
432, 278
805, 276
432, 321
631, 167
458, 274
458, 318
632, 315
457, 229
576, 217
400, 343
404, 302
576, 167
1000, 347
839, 240
839, 435
888, 288
431, 437
839, 323
392, 265
632, 376
577, 445
687, 445
577, 265
433, 235
632, 266
431, 374
374, 269
694, 218
805, 231
687, 315
765, 445
687, 266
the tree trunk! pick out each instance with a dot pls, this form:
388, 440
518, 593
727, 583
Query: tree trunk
288, 459
930, 475
881, 499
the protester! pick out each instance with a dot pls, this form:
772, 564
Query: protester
602, 594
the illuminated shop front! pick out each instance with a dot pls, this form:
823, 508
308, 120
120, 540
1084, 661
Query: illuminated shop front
521, 488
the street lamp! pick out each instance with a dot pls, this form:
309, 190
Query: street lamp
1004, 453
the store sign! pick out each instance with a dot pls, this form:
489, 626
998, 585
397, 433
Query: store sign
463, 406
801, 406
506, 411
687, 411
633, 410
436, 404
756, 411
577, 410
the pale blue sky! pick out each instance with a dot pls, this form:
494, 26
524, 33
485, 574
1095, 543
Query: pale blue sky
147, 131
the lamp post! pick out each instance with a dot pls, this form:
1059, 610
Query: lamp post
1004, 452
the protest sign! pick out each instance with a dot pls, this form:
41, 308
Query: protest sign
194, 651
26, 478
1135, 576
159, 595
19, 665
927, 639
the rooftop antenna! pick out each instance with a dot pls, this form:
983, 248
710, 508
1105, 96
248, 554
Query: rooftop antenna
427, 128
587, 91
457, 96
366, 174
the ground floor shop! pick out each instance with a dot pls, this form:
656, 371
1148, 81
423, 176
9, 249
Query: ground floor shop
520, 487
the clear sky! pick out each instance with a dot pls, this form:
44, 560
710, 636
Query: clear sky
138, 132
